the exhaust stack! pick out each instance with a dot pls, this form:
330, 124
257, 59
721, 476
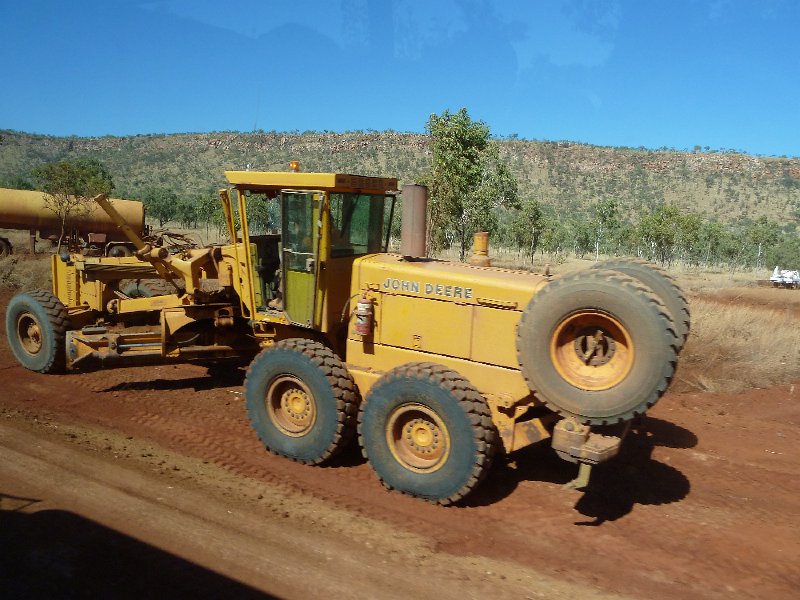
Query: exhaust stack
413, 233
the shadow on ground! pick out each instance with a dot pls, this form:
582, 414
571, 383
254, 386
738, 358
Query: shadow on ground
214, 379
616, 487
59, 554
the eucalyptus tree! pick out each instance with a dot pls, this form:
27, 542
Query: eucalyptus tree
69, 186
468, 180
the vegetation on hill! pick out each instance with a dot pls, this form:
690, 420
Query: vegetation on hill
699, 207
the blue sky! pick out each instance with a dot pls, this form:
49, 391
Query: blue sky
678, 73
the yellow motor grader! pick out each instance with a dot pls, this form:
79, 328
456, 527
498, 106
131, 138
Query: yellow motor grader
436, 367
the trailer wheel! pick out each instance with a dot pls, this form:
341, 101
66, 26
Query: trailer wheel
145, 288
662, 284
427, 432
36, 325
5, 248
301, 400
598, 346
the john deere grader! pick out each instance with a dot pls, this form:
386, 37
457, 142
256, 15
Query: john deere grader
435, 367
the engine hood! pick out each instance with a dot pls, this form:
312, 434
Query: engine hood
447, 281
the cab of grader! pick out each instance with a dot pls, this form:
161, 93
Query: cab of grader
435, 367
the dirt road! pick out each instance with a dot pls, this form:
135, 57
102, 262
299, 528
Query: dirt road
159, 466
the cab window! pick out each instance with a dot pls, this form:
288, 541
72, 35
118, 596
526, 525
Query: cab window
357, 224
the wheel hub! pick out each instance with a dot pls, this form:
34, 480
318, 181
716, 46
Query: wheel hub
29, 333
418, 438
296, 404
595, 347
422, 436
592, 350
291, 406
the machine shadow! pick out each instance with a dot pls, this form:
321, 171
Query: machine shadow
616, 487
59, 554
216, 379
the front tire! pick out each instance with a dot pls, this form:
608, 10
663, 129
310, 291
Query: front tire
301, 400
36, 325
427, 432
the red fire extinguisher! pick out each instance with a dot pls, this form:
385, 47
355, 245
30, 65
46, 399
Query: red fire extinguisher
363, 314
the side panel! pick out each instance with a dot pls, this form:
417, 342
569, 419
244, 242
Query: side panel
494, 336
426, 325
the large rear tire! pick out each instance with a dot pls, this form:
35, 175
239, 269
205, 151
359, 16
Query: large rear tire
598, 346
301, 400
662, 284
36, 325
427, 432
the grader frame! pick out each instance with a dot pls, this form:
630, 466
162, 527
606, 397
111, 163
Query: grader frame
441, 366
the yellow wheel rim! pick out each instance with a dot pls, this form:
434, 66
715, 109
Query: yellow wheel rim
591, 350
29, 333
418, 438
291, 406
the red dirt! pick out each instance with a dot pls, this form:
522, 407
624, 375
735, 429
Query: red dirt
703, 503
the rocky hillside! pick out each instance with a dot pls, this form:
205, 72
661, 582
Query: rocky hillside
569, 176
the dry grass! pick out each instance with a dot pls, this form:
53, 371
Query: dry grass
773, 298
21, 272
705, 282
736, 345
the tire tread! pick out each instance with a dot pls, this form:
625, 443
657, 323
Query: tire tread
341, 382
660, 312
471, 401
683, 320
59, 321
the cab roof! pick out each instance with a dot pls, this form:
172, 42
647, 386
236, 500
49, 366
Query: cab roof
331, 182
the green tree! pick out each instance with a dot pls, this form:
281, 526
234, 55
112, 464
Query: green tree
785, 253
18, 182
629, 240
161, 203
186, 212
690, 226
582, 240
528, 226
208, 207
659, 233
467, 181
69, 187
605, 223
762, 235
712, 240
555, 237
734, 249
